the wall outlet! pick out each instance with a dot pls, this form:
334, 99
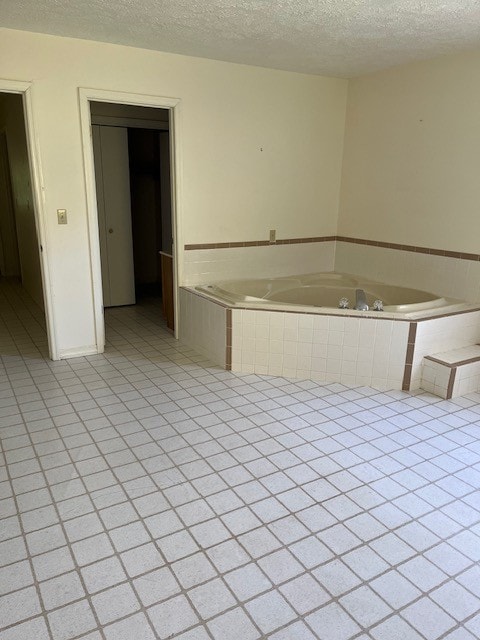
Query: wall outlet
62, 216
273, 236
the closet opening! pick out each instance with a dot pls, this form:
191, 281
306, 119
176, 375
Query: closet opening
131, 149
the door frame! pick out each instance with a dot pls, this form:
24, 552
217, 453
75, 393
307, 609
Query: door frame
25, 89
85, 96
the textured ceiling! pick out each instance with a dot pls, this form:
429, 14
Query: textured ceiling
330, 37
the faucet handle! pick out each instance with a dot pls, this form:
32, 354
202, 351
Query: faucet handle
378, 305
343, 303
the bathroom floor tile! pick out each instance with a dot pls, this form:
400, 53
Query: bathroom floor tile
234, 625
211, 598
270, 611
115, 603
18, 606
247, 581
72, 620
59, 591
103, 574
159, 496
172, 616
332, 621
137, 626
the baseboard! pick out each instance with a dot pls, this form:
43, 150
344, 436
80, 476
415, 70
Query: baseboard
78, 352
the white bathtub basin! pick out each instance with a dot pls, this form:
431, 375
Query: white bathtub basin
323, 291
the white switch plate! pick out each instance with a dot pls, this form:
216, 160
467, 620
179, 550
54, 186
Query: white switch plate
273, 236
62, 216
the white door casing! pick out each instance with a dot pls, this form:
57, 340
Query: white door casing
174, 105
36, 175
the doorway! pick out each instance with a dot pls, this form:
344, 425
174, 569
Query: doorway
21, 282
133, 214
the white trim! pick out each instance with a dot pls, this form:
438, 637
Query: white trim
92, 223
176, 180
14, 86
25, 89
86, 95
77, 351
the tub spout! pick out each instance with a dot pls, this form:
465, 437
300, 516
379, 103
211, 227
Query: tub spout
360, 300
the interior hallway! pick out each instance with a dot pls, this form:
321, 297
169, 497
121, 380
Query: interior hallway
22, 323
146, 494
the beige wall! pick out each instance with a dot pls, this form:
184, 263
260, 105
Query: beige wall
231, 189
411, 161
12, 121
261, 149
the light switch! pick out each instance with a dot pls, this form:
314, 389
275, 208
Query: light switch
273, 236
62, 216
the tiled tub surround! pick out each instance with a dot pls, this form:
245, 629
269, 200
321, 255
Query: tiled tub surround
318, 347
204, 326
219, 262
447, 273
455, 275
386, 353
330, 348
148, 495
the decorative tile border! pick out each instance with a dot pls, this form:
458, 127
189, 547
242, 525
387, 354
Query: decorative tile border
257, 243
451, 383
407, 247
228, 346
372, 243
407, 376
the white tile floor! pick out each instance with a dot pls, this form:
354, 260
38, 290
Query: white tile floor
146, 494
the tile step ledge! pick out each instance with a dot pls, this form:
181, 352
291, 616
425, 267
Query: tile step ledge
454, 373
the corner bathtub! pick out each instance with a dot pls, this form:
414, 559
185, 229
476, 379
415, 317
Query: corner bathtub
292, 327
323, 291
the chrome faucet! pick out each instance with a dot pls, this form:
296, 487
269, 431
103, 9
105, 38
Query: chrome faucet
360, 300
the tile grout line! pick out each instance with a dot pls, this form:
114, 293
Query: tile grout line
283, 470
54, 504
343, 594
